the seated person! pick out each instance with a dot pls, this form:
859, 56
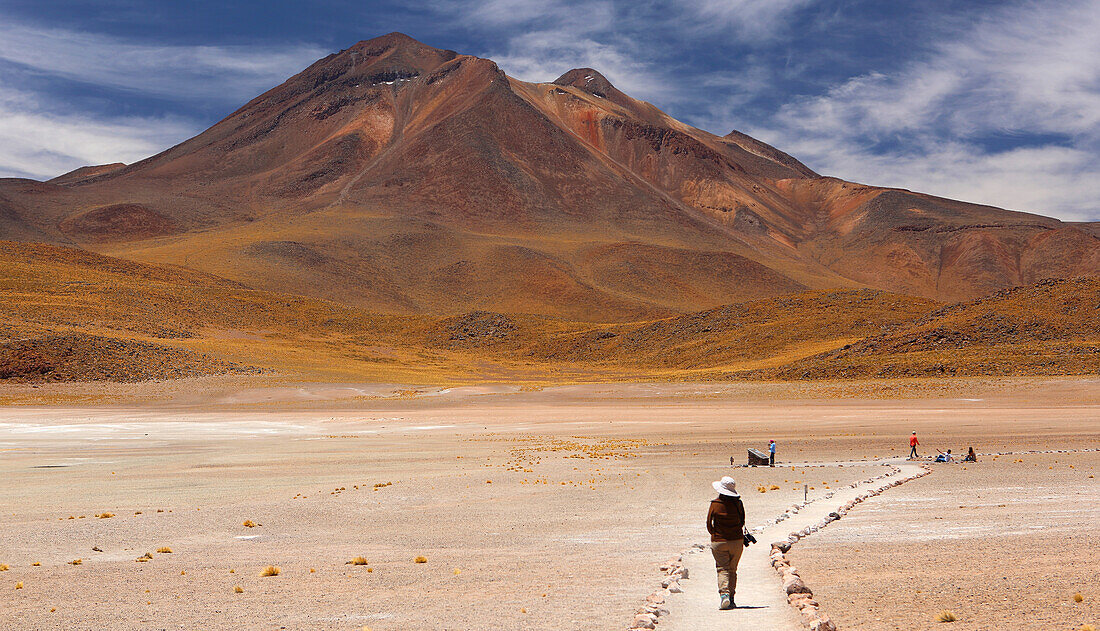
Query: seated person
971, 456
944, 457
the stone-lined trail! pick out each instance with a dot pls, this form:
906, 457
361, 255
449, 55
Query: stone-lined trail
762, 601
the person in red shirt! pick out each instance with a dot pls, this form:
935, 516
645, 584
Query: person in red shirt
913, 442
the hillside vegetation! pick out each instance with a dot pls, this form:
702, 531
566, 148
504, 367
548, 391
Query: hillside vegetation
69, 314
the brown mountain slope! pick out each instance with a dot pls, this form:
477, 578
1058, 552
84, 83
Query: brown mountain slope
1052, 327
69, 314
408, 179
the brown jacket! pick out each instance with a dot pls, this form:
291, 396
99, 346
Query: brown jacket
726, 519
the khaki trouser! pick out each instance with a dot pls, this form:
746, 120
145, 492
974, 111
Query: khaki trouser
726, 556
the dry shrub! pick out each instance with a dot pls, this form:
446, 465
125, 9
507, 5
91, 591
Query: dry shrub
164, 550
237, 589
36, 564
76, 561
105, 515
774, 487
357, 561
248, 523
270, 570
946, 616
1078, 597
19, 585
420, 560
3, 567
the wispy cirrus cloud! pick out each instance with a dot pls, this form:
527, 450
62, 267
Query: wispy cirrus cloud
629, 42
182, 72
40, 144
42, 135
750, 19
1005, 112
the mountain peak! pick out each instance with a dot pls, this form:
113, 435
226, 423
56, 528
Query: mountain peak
394, 40
589, 80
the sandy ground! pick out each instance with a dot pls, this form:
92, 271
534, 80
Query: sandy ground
1004, 544
534, 510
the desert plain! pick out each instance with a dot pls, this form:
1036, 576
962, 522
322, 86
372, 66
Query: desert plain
533, 508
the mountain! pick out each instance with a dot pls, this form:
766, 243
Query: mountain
401, 178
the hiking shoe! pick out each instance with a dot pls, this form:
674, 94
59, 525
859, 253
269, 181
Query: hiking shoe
726, 603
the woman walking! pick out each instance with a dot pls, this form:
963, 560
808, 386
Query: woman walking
726, 524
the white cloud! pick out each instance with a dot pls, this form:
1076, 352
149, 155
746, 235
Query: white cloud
225, 73
39, 144
40, 138
544, 38
544, 55
749, 19
1031, 69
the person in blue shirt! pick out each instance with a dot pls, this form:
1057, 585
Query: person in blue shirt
771, 453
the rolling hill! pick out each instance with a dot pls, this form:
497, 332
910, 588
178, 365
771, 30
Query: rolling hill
67, 314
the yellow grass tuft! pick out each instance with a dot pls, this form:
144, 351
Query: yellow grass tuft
1087, 627
232, 571
105, 515
420, 560
774, 487
1078, 597
36, 564
270, 570
312, 571
19, 585
946, 616
164, 550
3, 567
183, 572
76, 561
370, 570
237, 589
457, 571
248, 523
357, 561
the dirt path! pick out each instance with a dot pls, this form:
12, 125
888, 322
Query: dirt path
761, 602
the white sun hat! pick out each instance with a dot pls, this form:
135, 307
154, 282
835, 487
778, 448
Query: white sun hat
726, 486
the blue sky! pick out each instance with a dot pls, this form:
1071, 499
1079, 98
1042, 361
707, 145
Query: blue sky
992, 102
